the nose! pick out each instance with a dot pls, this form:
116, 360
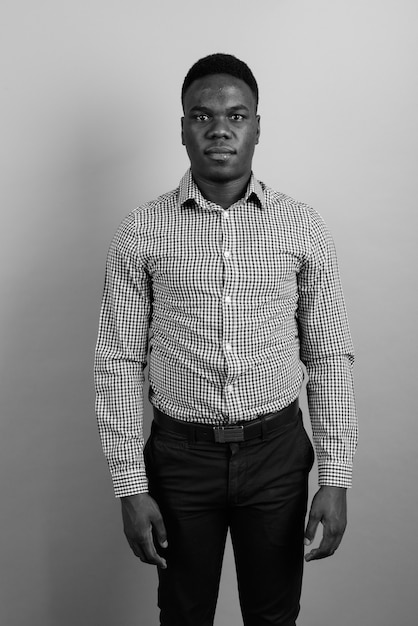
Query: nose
219, 128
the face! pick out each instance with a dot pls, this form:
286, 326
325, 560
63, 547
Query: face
220, 128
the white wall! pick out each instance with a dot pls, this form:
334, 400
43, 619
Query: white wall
90, 128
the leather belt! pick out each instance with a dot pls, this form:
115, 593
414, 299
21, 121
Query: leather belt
228, 433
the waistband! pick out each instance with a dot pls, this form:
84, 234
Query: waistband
261, 426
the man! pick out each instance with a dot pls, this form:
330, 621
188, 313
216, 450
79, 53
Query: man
236, 285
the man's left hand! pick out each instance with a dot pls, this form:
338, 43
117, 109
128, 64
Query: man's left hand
329, 507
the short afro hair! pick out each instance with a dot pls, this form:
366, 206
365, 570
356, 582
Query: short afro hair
220, 64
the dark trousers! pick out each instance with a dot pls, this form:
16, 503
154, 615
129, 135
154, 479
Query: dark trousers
257, 489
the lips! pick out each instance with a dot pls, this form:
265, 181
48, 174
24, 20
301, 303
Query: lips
219, 150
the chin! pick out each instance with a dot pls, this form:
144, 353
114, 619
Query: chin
222, 174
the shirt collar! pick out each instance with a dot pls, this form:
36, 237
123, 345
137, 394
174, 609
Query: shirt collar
189, 191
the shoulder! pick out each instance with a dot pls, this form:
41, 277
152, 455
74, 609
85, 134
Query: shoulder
145, 217
157, 208
295, 209
301, 219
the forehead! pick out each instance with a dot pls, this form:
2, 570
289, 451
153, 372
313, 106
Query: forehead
218, 89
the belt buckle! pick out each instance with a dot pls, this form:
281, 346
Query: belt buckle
228, 434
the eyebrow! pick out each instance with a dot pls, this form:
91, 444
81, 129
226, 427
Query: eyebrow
237, 107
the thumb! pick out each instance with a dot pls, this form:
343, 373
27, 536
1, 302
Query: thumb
160, 532
311, 529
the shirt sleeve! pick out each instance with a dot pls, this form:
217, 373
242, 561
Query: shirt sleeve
326, 349
120, 359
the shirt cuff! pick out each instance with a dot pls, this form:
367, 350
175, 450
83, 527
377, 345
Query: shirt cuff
335, 475
129, 483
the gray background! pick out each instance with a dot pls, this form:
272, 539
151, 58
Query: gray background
90, 128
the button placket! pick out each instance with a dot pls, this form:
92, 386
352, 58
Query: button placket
227, 304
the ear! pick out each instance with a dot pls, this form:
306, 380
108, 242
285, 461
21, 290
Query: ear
182, 132
258, 129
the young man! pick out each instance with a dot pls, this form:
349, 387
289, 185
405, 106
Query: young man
239, 286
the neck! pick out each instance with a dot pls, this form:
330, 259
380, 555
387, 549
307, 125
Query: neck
223, 193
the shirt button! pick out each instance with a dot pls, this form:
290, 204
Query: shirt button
225, 215
228, 347
228, 299
227, 254
230, 388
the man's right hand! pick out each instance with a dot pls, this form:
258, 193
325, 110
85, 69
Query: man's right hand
141, 516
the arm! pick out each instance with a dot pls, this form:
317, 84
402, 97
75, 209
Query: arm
121, 354
327, 352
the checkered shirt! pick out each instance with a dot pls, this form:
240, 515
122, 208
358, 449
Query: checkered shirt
230, 303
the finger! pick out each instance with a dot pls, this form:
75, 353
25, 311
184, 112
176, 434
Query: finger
327, 547
145, 550
154, 559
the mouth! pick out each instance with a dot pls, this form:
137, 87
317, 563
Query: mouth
219, 153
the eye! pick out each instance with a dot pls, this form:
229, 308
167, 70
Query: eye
201, 117
237, 117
